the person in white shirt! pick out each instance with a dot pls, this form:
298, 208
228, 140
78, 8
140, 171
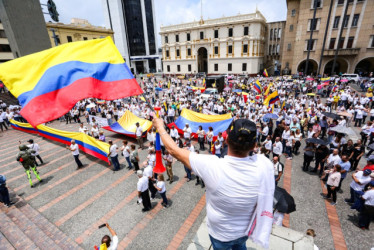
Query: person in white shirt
113, 155
126, 153
75, 151
187, 132
239, 187
334, 158
367, 212
2, 121
139, 135
161, 188
168, 159
83, 129
35, 147
95, 131
174, 133
360, 179
111, 245
143, 193
278, 169
277, 147
217, 147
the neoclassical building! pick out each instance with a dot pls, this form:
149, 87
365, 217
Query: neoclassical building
227, 45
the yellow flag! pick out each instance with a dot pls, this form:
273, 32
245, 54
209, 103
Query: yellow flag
268, 89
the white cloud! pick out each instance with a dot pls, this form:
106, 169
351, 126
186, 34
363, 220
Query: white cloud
170, 12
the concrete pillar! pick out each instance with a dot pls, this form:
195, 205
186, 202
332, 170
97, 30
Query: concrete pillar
145, 31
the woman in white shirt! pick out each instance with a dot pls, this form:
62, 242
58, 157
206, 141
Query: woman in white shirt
200, 137
161, 188
289, 143
209, 138
125, 149
298, 137
217, 147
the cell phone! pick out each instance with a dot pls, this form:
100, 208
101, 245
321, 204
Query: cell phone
103, 225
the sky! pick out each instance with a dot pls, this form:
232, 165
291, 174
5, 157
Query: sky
169, 12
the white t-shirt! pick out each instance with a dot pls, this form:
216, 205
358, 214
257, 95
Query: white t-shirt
187, 132
369, 197
142, 183
126, 152
113, 243
139, 131
161, 184
75, 149
113, 150
34, 147
362, 179
334, 158
232, 189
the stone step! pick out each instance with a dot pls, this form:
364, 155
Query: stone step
31, 230
14, 234
4, 243
49, 228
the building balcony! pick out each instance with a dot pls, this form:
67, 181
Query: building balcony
342, 52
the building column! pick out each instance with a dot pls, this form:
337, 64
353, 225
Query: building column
145, 31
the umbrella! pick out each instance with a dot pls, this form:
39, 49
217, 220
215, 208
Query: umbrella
91, 105
316, 141
310, 79
343, 130
344, 80
345, 114
271, 116
311, 94
237, 90
158, 89
331, 115
227, 89
283, 201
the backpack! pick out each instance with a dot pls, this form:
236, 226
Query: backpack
25, 157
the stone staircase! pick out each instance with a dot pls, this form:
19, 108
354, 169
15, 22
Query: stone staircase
22, 227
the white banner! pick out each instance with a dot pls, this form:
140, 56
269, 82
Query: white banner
102, 122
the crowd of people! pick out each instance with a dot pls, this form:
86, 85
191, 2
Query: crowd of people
317, 113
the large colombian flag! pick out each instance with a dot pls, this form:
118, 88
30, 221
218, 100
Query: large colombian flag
257, 86
49, 83
219, 123
126, 125
272, 98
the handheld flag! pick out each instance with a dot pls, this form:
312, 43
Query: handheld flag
265, 73
165, 105
272, 98
257, 86
283, 104
49, 83
268, 89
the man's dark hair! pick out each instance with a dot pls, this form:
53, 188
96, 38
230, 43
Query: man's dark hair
106, 239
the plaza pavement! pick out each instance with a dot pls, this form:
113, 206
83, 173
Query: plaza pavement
78, 201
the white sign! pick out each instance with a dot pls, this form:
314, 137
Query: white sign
102, 122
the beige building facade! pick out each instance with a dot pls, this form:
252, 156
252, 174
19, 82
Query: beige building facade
274, 46
228, 45
77, 30
356, 46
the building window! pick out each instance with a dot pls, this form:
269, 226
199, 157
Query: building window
341, 1
246, 30
372, 42
332, 43
85, 38
336, 22
70, 39
188, 37
271, 34
313, 24
244, 67
341, 42
287, 64
216, 50
245, 48
189, 52
278, 49
350, 42
269, 49
168, 68
230, 32
229, 67
178, 68
310, 44
289, 46
166, 39
345, 21
355, 20
275, 33
178, 53
230, 49
2, 34
201, 35
279, 33
167, 54
216, 67
189, 68
293, 12
291, 27
215, 33
317, 4
177, 38
5, 48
